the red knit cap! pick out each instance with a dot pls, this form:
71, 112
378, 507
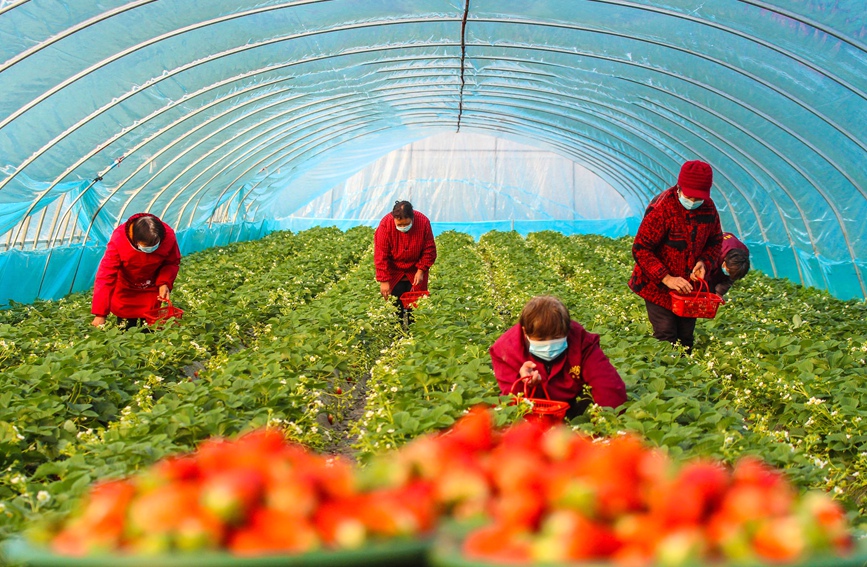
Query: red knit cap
695, 179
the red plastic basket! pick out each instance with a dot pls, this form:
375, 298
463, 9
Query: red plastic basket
544, 409
163, 313
410, 298
697, 303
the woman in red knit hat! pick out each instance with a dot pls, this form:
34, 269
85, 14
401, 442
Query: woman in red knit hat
137, 271
678, 242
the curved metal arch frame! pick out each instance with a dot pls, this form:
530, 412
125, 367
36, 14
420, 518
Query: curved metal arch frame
174, 124
231, 184
816, 186
658, 135
320, 32
847, 240
785, 129
118, 100
508, 119
754, 39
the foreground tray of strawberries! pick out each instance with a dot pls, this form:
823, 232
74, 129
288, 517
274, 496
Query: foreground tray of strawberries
527, 494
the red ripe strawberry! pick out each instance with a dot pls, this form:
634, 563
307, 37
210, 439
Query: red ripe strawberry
105, 508
690, 498
497, 543
198, 532
173, 469
780, 540
516, 470
825, 523
462, 483
291, 493
330, 419
639, 534
472, 432
338, 525
271, 531
578, 537
385, 514
523, 436
561, 444
334, 477
522, 509
230, 496
338, 390
155, 515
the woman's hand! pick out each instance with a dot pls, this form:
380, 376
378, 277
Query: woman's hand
528, 371
698, 272
419, 276
679, 285
384, 289
98, 321
164, 293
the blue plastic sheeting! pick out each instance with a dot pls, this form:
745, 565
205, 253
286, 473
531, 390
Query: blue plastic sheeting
234, 112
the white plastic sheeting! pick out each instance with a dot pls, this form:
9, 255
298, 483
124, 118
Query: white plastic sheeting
225, 112
474, 178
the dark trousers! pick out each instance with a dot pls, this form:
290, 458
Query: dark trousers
669, 327
401, 287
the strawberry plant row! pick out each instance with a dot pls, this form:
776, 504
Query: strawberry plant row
792, 398
53, 425
440, 366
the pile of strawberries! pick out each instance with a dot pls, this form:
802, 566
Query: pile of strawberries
541, 495
256, 495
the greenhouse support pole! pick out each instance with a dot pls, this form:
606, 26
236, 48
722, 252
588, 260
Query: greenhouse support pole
98, 177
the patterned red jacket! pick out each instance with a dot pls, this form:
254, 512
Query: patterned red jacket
583, 363
397, 254
670, 241
718, 282
128, 280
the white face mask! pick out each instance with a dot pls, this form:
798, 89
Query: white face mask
403, 228
149, 249
547, 350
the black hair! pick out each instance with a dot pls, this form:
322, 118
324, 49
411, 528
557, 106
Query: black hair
148, 231
737, 263
402, 210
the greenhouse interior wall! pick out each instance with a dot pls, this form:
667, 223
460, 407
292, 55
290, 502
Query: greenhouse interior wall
230, 120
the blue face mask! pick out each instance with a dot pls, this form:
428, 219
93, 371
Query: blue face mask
726, 272
149, 249
547, 350
404, 228
690, 205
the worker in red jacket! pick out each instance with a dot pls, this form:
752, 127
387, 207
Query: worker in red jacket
678, 242
547, 347
137, 271
734, 264
404, 251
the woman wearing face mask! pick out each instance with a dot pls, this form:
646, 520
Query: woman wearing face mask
404, 251
678, 242
137, 271
547, 346
734, 263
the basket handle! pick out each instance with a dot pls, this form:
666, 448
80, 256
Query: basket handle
524, 381
701, 283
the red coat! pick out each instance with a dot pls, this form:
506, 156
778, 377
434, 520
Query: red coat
583, 363
670, 241
128, 280
718, 282
398, 254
